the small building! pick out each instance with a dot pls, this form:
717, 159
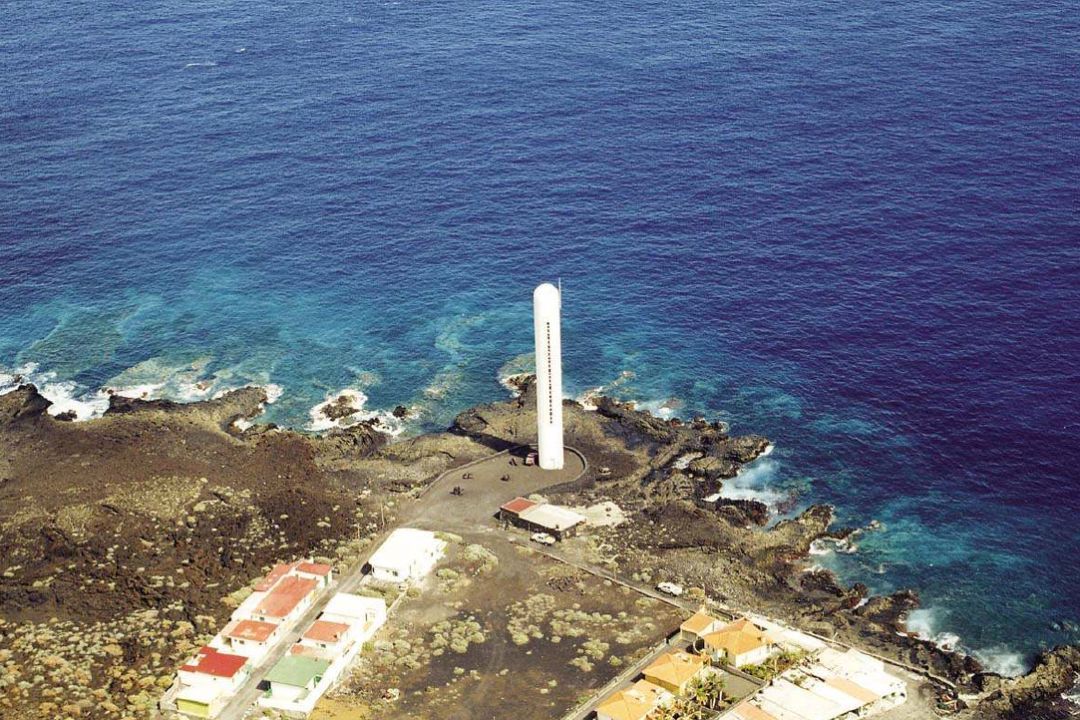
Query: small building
327, 635
293, 680
674, 671
634, 702
286, 601
364, 614
205, 683
861, 676
698, 626
738, 643
200, 701
511, 511
408, 554
320, 572
555, 520
250, 638
785, 700
212, 668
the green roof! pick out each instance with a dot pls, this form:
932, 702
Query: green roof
297, 670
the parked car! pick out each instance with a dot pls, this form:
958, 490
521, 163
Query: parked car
670, 589
543, 538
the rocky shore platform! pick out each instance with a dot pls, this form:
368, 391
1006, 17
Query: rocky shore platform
125, 541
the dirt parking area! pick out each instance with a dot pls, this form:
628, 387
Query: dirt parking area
498, 621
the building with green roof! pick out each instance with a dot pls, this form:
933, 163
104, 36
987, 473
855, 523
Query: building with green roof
295, 676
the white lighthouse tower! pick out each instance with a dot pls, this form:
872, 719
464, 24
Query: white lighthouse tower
547, 304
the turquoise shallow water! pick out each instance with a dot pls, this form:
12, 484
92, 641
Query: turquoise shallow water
852, 228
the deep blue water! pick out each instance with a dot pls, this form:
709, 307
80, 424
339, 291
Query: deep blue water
853, 227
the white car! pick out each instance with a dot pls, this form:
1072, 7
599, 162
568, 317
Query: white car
542, 538
670, 589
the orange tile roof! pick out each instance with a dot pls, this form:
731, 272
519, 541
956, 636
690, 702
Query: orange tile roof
280, 570
634, 702
314, 568
737, 637
675, 668
285, 596
251, 630
863, 695
698, 622
326, 631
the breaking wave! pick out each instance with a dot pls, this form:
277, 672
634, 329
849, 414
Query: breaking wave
349, 409
926, 624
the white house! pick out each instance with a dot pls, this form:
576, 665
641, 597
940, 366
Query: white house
250, 638
408, 554
738, 643
365, 614
204, 684
294, 680
698, 626
290, 597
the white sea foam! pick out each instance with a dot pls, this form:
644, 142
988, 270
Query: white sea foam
1072, 695
926, 623
138, 392
516, 368
1002, 660
588, 398
66, 396
356, 400
754, 482
208, 63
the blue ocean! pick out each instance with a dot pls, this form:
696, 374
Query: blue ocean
853, 227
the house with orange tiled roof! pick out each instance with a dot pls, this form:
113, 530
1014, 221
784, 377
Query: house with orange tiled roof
327, 635
738, 643
674, 671
698, 625
320, 572
634, 702
287, 600
250, 638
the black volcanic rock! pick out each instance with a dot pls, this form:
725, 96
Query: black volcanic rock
25, 402
743, 513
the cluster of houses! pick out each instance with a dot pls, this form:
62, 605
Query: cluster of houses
831, 685
666, 678
836, 685
206, 683
555, 520
325, 649
319, 653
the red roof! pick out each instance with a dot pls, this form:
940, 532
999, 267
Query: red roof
285, 596
517, 505
326, 631
251, 630
274, 575
313, 568
211, 662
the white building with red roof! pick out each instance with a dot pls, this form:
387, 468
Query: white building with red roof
205, 683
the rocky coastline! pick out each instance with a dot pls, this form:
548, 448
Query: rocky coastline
127, 539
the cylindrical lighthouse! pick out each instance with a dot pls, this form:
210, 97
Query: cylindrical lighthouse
547, 304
